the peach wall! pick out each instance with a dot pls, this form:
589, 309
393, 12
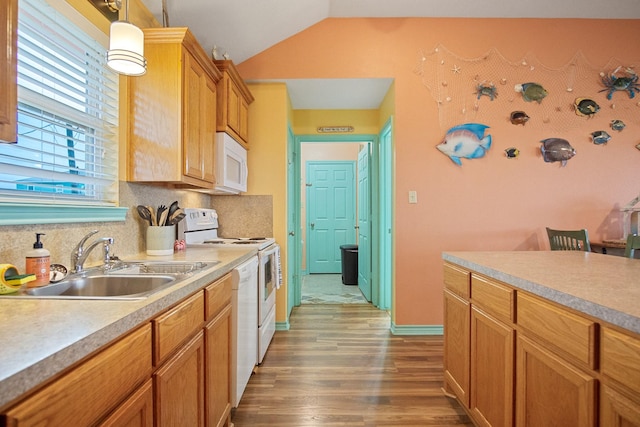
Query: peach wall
490, 203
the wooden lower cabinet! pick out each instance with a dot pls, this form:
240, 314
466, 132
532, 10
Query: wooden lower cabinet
218, 370
217, 337
179, 387
492, 359
90, 391
617, 410
517, 359
173, 371
456, 345
136, 411
550, 390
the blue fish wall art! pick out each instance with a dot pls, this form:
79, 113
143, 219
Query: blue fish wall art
466, 141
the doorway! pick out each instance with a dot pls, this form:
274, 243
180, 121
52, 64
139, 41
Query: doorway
320, 142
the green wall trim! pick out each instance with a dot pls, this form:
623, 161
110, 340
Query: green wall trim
283, 326
22, 214
416, 329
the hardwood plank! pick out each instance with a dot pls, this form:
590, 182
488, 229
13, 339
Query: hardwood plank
339, 365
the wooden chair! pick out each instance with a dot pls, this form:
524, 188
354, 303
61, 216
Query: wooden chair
633, 243
569, 240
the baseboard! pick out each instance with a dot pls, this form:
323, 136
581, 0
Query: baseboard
283, 326
416, 329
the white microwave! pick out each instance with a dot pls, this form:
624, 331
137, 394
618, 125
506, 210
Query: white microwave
231, 165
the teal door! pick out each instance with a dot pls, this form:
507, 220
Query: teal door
330, 213
293, 221
364, 224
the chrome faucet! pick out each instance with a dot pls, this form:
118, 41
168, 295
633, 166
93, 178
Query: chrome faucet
80, 253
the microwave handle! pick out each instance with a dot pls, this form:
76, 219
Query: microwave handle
245, 170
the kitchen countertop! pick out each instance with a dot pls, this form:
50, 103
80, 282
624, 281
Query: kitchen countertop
42, 337
602, 286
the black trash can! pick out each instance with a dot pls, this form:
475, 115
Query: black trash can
349, 254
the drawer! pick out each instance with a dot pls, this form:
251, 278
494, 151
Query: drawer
493, 297
91, 389
456, 280
177, 325
572, 335
217, 295
620, 358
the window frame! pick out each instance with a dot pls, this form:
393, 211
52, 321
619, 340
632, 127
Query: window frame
27, 212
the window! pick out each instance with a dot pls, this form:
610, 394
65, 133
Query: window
67, 150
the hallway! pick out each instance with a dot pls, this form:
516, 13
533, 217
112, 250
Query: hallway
340, 366
328, 289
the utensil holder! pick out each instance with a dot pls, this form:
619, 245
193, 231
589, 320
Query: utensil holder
160, 239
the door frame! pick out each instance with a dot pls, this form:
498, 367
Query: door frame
294, 208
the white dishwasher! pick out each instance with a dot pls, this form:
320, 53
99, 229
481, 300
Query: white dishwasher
244, 324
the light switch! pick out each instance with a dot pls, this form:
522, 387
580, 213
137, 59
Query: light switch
413, 196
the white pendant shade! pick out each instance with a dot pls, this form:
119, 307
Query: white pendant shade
126, 49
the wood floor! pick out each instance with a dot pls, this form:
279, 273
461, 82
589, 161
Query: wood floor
339, 365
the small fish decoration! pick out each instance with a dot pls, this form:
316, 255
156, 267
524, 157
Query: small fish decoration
512, 153
585, 107
617, 125
465, 141
532, 92
600, 137
519, 118
557, 150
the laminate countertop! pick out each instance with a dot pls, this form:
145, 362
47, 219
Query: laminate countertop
602, 286
42, 337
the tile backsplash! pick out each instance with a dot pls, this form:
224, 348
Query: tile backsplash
239, 215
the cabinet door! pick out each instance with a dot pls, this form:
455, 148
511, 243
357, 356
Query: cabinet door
179, 387
551, 391
233, 107
617, 410
136, 411
456, 345
218, 369
193, 127
208, 131
492, 351
244, 120
8, 82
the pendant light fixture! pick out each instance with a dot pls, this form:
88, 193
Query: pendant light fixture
126, 44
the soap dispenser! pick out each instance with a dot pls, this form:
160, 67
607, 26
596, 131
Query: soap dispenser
38, 262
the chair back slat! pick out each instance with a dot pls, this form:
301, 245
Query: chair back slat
569, 240
633, 243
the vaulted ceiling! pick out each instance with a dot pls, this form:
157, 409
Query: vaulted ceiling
244, 28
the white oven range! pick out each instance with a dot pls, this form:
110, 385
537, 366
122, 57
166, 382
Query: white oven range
200, 228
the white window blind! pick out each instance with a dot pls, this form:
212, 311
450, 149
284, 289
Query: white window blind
66, 150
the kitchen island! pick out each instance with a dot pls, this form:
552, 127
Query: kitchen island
543, 338
45, 340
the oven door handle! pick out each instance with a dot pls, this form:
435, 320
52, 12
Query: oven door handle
270, 251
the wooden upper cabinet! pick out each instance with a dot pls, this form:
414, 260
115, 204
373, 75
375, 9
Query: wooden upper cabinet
8, 66
172, 110
234, 98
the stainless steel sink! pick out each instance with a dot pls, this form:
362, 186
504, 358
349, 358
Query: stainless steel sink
123, 286
125, 281
161, 267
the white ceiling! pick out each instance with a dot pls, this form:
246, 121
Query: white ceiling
244, 28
